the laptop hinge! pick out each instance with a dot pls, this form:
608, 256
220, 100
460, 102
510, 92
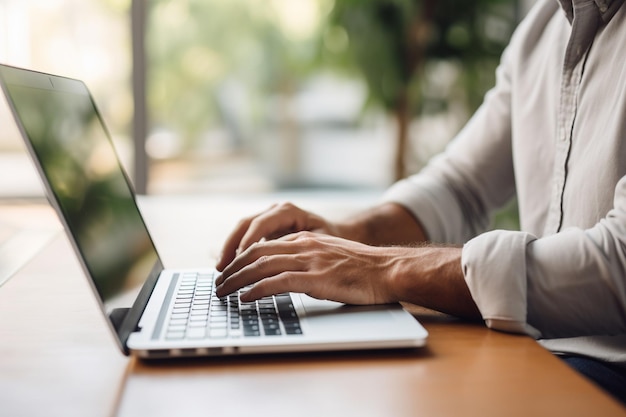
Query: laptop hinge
117, 317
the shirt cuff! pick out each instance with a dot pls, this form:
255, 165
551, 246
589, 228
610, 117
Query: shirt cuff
494, 265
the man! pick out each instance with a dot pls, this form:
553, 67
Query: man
553, 132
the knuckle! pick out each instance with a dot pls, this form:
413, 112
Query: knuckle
305, 235
307, 239
301, 258
286, 205
289, 279
254, 250
262, 262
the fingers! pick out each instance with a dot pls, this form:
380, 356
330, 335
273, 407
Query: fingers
321, 266
229, 251
270, 224
286, 281
277, 221
258, 262
289, 281
264, 267
233, 243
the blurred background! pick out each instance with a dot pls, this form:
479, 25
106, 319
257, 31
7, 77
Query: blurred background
258, 96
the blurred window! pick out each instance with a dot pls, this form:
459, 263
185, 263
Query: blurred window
244, 95
84, 39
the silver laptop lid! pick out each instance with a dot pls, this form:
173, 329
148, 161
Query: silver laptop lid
88, 187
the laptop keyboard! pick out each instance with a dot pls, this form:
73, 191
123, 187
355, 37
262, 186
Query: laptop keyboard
197, 313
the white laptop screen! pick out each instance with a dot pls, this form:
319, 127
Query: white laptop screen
84, 176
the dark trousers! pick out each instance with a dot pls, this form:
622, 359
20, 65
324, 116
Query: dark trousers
610, 378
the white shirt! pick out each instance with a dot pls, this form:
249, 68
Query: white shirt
553, 132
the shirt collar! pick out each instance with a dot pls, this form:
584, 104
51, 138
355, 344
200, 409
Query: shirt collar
607, 8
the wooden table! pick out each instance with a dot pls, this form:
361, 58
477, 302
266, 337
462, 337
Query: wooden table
58, 359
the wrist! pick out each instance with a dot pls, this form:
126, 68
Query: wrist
387, 224
432, 277
349, 230
402, 278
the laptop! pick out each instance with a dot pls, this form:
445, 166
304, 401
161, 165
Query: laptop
154, 312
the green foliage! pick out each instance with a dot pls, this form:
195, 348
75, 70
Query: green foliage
194, 46
391, 41
377, 42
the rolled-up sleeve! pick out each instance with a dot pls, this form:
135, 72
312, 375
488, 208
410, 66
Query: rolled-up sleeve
434, 204
494, 265
569, 284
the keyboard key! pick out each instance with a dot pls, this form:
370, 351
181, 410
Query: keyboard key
181, 304
269, 327
218, 333
292, 328
175, 335
254, 327
202, 297
218, 325
251, 333
196, 333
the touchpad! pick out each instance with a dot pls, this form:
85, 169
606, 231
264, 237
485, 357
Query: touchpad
324, 314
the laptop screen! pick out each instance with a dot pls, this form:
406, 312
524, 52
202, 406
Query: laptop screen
87, 182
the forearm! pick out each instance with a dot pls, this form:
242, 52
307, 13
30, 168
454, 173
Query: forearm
386, 224
430, 276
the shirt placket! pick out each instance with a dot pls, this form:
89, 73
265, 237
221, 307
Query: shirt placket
584, 27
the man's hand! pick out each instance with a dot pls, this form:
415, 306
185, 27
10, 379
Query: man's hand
277, 221
321, 266
327, 267
286, 249
386, 224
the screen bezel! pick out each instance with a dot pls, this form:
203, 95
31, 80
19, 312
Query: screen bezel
122, 326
